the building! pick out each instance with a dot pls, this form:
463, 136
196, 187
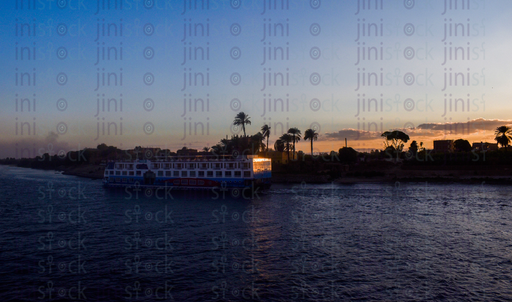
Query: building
444, 146
481, 146
276, 156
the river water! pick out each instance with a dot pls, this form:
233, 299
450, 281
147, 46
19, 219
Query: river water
68, 238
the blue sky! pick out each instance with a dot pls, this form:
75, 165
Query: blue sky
311, 52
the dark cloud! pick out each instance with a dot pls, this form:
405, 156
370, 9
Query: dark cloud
469, 127
351, 134
426, 130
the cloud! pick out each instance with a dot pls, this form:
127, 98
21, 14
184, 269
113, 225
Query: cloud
478, 125
351, 134
425, 130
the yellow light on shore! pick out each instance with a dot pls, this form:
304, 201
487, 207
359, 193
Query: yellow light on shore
256, 160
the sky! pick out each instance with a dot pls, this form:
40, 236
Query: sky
169, 74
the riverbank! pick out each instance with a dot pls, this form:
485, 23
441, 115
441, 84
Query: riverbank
394, 174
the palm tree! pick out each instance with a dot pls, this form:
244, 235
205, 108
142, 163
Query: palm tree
296, 136
503, 136
206, 149
287, 139
279, 145
257, 142
311, 135
242, 119
265, 130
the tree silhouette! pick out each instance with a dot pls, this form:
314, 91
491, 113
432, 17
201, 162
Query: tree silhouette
287, 139
296, 136
503, 136
395, 139
279, 145
462, 145
265, 130
413, 147
311, 135
242, 119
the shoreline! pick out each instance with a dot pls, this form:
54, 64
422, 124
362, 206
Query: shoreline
396, 175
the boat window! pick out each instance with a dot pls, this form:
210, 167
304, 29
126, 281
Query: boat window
183, 173
176, 173
118, 172
193, 182
130, 173
201, 182
238, 173
139, 173
201, 173
227, 173
192, 173
247, 173
167, 173
160, 173
177, 182
184, 181
125, 173
209, 173
218, 173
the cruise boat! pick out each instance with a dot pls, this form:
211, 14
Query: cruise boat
191, 172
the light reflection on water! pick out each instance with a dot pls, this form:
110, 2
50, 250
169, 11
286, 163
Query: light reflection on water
398, 241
